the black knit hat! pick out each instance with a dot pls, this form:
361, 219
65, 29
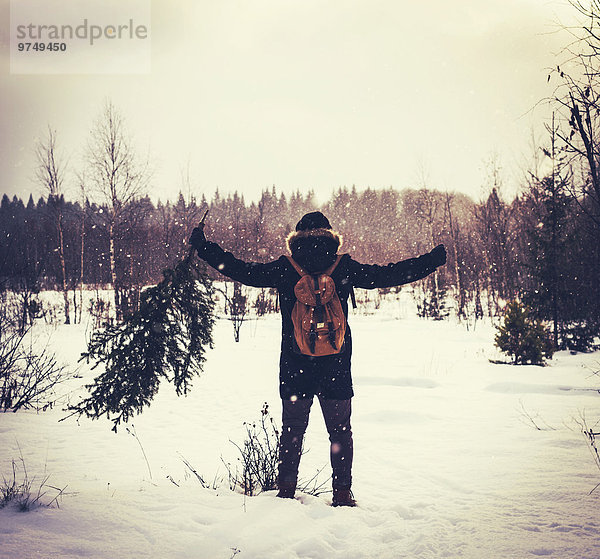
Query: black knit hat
313, 220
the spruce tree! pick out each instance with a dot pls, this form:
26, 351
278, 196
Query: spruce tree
549, 257
165, 339
522, 337
551, 281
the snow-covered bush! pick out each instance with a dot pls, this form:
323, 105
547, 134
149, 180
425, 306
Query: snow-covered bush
523, 338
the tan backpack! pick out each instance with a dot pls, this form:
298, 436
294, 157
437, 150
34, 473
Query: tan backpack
318, 317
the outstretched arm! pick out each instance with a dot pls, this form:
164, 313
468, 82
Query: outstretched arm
371, 276
248, 273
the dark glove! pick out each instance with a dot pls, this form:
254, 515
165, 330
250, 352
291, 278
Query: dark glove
438, 255
197, 238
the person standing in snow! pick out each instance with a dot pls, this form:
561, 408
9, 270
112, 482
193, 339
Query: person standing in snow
314, 249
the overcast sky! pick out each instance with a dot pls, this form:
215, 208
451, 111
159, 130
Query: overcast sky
308, 94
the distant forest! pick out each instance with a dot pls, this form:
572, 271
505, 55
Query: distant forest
542, 247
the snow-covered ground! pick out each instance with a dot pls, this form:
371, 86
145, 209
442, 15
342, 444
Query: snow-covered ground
448, 462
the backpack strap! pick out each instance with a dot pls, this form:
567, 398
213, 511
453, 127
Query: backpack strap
353, 297
329, 270
352, 294
296, 266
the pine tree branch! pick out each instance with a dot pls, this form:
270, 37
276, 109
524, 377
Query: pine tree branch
165, 339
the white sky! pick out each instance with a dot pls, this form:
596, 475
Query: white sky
309, 94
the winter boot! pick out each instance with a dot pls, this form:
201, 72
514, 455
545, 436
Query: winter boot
287, 489
342, 497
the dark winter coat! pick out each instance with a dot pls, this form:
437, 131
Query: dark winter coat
302, 376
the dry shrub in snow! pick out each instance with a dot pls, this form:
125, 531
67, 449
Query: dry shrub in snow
25, 493
28, 377
236, 306
258, 461
259, 457
591, 435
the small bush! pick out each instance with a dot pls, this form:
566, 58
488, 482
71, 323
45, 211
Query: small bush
258, 461
259, 457
99, 310
264, 303
25, 493
580, 337
591, 435
525, 339
28, 378
432, 302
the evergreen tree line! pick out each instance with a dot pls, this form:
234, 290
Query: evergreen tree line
542, 247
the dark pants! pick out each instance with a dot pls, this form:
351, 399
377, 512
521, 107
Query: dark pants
295, 420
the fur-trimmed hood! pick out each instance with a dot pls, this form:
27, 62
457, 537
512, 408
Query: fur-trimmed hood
295, 236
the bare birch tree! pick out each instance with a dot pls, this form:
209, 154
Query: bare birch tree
117, 176
50, 174
83, 193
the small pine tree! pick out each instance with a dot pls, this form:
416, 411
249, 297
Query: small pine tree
433, 302
522, 337
165, 339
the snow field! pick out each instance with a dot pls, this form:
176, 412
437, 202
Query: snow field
447, 463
